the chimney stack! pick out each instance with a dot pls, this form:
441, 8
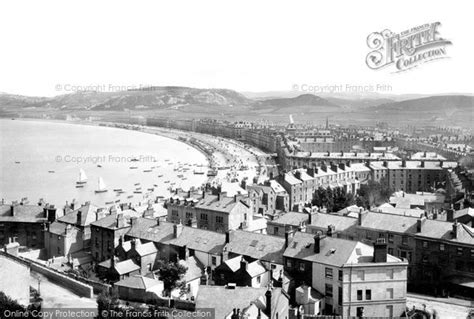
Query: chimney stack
79, 217
450, 215
120, 221
455, 229
331, 231
404, 163
227, 236
419, 223
380, 251
133, 221
268, 303
243, 264
12, 247
288, 237
317, 243
177, 229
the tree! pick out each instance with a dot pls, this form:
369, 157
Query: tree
171, 273
107, 301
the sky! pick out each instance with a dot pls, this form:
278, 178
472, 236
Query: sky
58, 47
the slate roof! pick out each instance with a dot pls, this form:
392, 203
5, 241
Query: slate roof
291, 218
139, 282
58, 228
145, 249
342, 223
122, 267
23, 213
333, 251
223, 300
88, 215
258, 246
194, 238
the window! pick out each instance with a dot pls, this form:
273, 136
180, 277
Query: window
425, 244
360, 312
441, 247
405, 240
368, 235
328, 290
390, 273
381, 235
339, 295
368, 294
328, 273
360, 275
359, 294
302, 266
390, 251
214, 260
148, 267
259, 279
425, 259
340, 275
389, 293
460, 251
219, 219
289, 263
472, 253
59, 251
389, 311
275, 230
204, 216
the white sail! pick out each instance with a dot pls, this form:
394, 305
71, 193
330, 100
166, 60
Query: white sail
101, 186
82, 176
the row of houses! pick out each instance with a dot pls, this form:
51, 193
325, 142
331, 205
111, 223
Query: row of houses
439, 252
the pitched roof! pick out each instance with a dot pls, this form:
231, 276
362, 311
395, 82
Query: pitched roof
194, 238
87, 212
22, 213
200, 240
258, 246
291, 218
58, 228
145, 249
122, 267
341, 223
138, 282
333, 251
228, 299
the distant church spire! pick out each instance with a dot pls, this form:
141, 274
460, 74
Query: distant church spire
327, 123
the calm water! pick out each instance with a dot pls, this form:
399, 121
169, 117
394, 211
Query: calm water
42, 160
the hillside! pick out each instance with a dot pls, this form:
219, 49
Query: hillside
433, 104
301, 100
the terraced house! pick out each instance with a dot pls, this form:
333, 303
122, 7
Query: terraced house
353, 278
213, 212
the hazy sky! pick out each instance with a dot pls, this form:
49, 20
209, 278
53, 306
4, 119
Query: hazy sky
48, 47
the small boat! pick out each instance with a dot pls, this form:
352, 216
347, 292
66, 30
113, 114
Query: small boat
17, 162
147, 170
180, 175
160, 175
50, 171
98, 165
129, 196
108, 203
79, 186
137, 192
166, 181
160, 197
117, 189
151, 189
212, 173
101, 187
133, 167
156, 185
117, 201
82, 177
136, 184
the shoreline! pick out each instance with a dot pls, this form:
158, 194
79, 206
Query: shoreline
219, 157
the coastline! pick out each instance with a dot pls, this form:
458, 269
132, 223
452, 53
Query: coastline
216, 159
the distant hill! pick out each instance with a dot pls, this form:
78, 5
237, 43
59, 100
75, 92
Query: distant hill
301, 100
359, 103
149, 98
435, 104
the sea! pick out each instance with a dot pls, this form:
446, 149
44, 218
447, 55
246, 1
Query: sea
42, 160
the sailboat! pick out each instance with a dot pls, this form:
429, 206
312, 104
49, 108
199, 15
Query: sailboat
101, 188
82, 177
